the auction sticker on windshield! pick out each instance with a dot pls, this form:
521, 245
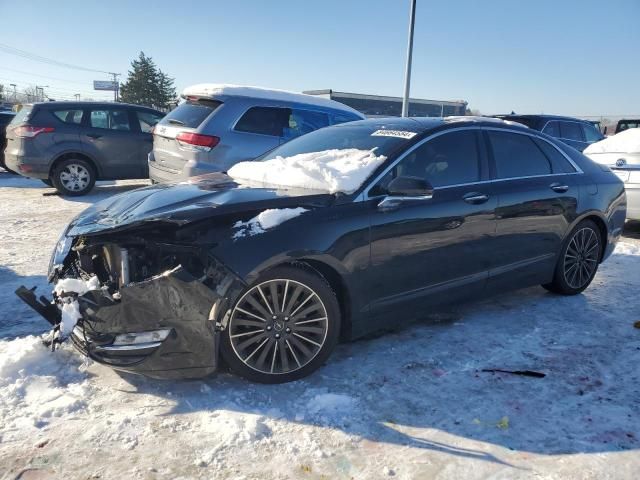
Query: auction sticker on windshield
394, 133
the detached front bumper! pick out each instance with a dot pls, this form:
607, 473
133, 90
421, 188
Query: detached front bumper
174, 301
164, 327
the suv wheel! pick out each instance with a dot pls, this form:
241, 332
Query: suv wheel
74, 177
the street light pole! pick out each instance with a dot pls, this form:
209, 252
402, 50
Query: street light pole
407, 73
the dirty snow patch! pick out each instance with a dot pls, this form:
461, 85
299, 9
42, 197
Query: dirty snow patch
627, 141
335, 170
265, 220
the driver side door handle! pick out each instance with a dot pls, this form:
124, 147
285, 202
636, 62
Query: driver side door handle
475, 198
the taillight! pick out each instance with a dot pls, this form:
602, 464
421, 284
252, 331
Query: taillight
197, 141
27, 131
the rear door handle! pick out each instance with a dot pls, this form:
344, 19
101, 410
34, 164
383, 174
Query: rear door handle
559, 187
93, 135
475, 198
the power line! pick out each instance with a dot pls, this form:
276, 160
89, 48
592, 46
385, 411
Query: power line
44, 76
39, 58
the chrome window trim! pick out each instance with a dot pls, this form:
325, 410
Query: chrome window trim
365, 193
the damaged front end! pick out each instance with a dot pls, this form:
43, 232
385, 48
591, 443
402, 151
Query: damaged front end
153, 307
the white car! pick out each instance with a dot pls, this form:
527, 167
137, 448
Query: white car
621, 153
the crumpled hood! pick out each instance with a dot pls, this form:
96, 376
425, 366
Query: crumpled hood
182, 203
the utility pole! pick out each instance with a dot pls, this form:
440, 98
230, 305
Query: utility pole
15, 94
116, 92
77, 95
40, 96
407, 73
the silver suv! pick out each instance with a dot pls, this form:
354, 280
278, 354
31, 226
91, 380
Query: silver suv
218, 126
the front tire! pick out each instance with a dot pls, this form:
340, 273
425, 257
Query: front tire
74, 177
578, 261
283, 328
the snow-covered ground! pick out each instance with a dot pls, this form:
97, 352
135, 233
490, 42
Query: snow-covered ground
410, 404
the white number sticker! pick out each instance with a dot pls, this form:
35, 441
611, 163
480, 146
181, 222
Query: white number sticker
394, 133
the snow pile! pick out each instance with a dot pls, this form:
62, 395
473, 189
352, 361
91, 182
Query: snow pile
216, 89
627, 141
335, 170
70, 307
266, 220
36, 384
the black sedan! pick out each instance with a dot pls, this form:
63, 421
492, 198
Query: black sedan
347, 230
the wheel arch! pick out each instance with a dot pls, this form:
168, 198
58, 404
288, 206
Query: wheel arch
75, 154
332, 273
599, 219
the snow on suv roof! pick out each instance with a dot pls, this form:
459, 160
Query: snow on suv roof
217, 89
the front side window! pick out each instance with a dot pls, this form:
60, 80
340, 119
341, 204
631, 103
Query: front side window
304, 121
552, 129
69, 116
147, 120
110, 119
449, 159
517, 155
571, 131
591, 133
264, 121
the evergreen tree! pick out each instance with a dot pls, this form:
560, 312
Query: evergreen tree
147, 85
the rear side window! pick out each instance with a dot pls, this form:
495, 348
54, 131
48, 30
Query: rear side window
110, 119
22, 116
571, 131
552, 129
304, 121
265, 121
560, 164
190, 113
69, 116
147, 120
517, 155
591, 133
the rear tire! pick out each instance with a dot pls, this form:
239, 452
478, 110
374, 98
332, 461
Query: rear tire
283, 327
578, 260
73, 177
47, 182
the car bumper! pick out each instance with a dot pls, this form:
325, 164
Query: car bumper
176, 301
26, 166
160, 173
633, 200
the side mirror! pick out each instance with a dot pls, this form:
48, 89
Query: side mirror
409, 187
405, 189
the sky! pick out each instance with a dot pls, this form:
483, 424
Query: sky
572, 57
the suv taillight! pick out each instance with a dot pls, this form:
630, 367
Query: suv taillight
27, 131
197, 141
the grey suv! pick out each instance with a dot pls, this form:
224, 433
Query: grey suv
218, 126
70, 145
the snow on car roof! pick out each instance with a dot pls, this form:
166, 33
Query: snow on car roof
216, 89
627, 141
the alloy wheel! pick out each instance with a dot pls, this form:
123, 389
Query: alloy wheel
75, 177
278, 326
581, 258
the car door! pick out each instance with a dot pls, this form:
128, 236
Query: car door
571, 134
142, 122
258, 130
538, 194
434, 250
109, 138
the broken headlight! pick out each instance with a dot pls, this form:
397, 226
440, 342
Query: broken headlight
60, 252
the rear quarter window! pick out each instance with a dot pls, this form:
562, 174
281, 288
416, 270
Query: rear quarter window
22, 116
190, 113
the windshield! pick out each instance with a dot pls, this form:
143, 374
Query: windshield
333, 159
